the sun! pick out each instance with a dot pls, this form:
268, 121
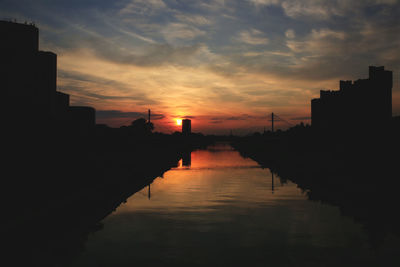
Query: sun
178, 121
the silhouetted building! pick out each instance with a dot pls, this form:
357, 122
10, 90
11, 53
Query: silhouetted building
18, 37
62, 106
28, 76
28, 79
186, 126
83, 119
357, 104
396, 124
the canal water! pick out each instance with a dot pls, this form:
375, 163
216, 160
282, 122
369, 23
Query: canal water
220, 209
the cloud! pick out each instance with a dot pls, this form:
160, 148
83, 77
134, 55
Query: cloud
253, 37
207, 57
264, 2
138, 36
214, 5
321, 9
318, 41
176, 32
85, 77
153, 54
315, 9
109, 114
194, 19
89, 89
117, 118
290, 34
142, 7
242, 117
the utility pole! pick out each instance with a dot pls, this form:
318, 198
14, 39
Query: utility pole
272, 121
149, 193
149, 115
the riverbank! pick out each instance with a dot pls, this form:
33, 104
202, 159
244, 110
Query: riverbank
57, 187
359, 174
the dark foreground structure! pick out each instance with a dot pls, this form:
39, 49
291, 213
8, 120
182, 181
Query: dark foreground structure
29, 84
356, 104
61, 172
186, 127
341, 159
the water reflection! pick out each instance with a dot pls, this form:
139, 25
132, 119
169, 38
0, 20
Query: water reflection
186, 159
272, 182
224, 210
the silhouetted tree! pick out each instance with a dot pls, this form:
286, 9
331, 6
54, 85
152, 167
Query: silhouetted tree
176, 133
141, 127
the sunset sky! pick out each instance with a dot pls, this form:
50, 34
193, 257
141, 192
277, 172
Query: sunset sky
224, 64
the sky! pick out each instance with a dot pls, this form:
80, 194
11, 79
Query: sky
226, 65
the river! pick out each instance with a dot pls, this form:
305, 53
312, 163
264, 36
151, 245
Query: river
220, 209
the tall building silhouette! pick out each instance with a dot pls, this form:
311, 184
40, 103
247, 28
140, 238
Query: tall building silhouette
357, 105
186, 126
28, 76
28, 79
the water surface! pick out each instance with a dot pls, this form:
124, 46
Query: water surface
220, 209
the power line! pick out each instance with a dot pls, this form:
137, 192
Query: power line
276, 118
281, 119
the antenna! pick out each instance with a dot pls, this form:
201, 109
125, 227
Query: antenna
272, 120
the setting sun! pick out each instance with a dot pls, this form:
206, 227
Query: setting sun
178, 121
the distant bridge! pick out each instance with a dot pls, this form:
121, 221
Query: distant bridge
275, 117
